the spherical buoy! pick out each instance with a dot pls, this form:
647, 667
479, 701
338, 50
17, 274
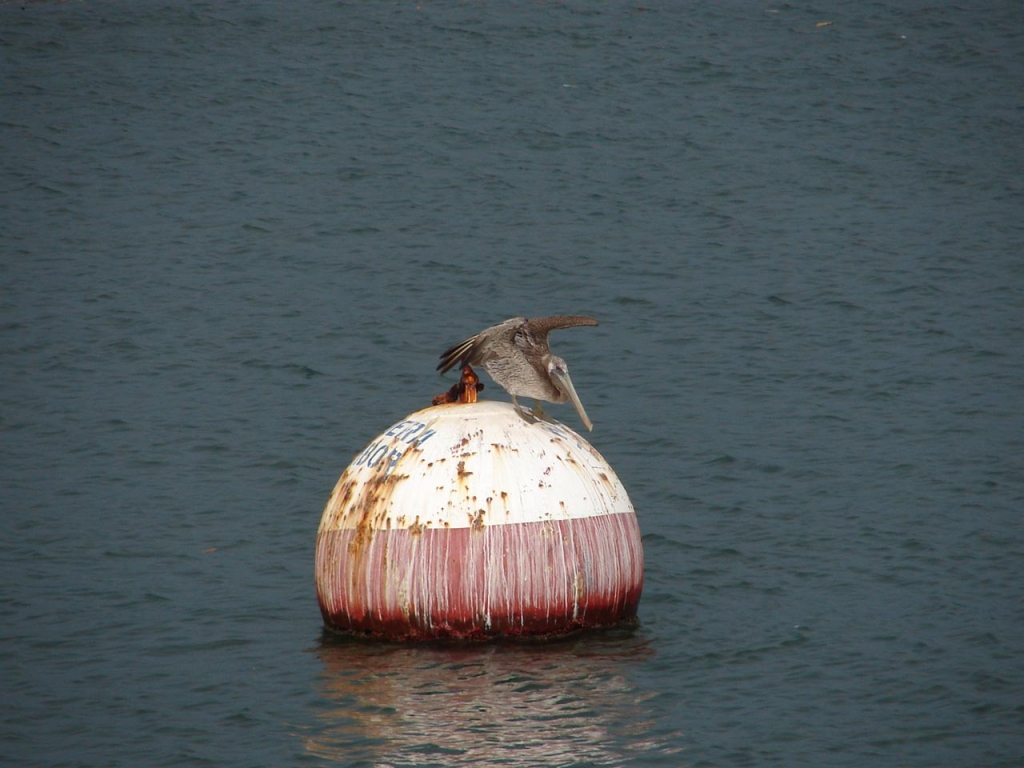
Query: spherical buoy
475, 520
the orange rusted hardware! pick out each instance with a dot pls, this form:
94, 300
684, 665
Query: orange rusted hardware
464, 391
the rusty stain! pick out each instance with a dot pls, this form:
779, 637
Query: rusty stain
461, 470
476, 522
416, 529
346, 494
364, 505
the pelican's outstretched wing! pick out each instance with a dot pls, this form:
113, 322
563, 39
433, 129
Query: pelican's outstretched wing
526, 335
534, 333
479, 348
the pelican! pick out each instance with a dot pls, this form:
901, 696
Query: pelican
516, 355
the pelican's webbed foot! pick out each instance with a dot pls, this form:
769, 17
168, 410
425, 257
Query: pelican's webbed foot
529, 417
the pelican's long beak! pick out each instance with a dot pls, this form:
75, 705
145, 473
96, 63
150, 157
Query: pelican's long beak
566, 384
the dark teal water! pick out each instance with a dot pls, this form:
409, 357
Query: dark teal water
235, 237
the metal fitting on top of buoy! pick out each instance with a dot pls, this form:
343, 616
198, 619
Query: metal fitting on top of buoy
462, 391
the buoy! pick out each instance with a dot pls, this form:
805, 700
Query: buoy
474, 520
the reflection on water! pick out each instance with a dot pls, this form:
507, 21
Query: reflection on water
564, 703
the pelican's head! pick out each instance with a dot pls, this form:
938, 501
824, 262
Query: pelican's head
559, 373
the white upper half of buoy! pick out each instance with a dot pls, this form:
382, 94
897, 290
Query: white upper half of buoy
470, 465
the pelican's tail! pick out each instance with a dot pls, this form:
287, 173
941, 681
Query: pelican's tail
458, 354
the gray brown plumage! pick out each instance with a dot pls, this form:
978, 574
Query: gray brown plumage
516, 355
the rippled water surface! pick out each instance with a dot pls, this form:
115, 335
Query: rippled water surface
235, 237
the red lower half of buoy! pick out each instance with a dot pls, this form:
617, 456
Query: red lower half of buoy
545, 578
